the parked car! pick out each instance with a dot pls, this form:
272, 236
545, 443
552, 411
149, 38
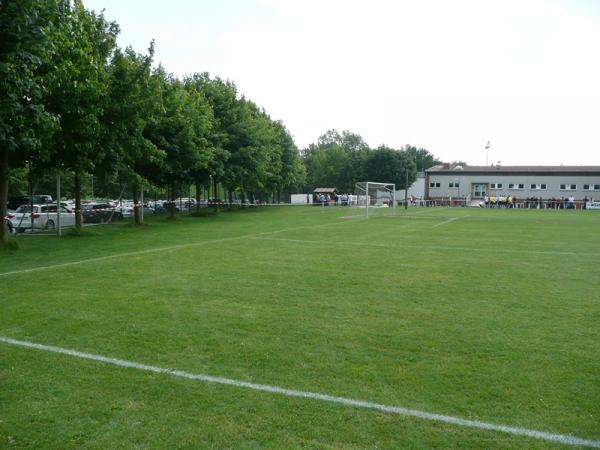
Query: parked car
99, 212
185, 204
127, 209
18, 200
44, 217
158, 206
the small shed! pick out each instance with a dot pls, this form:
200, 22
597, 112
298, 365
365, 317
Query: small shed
324, 196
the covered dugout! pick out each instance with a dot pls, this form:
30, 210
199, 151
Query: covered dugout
324, 196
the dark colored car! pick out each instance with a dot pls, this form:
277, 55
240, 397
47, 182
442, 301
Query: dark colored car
100, 213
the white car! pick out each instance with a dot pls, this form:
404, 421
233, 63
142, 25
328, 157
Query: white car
44, 217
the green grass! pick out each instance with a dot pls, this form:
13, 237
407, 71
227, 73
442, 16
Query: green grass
493, 316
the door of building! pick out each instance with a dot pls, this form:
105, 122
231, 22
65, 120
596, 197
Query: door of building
479, 190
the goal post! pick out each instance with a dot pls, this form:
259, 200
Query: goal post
375, 198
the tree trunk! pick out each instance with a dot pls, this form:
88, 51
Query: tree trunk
230, 199
198, 196
216, 192
78, 221
3, 195
172, 203
137, 217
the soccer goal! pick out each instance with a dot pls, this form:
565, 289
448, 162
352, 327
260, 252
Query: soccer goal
376, 198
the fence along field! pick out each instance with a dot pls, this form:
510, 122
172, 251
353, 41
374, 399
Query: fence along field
489, 318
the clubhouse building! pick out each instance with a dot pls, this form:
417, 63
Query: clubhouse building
473, 183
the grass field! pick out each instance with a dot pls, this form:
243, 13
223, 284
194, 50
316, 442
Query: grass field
487, 315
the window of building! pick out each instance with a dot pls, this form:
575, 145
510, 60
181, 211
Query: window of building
495, 185
511, 185
434, 185
453, 185
539, 187
569, 187
597, 187
521, 186
591, 187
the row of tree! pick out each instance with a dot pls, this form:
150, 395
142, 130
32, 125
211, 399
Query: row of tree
341, 159
76, 104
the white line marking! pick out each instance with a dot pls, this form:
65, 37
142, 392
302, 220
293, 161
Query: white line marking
451, 219
120, 255
426, 247
162, 249
517, 431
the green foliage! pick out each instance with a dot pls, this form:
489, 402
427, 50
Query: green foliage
181, 131
25, 31
340, 160
423, 159
25, 46
133, 103
390, 166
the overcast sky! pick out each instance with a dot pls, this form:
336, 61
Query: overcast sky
445, 75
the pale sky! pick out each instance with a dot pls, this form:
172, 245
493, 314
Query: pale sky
444, 75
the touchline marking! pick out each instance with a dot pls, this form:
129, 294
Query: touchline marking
517, 431
451, 219
120, 255
160, 249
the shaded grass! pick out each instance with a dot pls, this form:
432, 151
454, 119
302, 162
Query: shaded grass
492, 316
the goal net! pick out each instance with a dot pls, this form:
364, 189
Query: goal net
377, 199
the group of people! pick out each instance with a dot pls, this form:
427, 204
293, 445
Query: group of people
500, 201
552, 203
334, 199
508, 201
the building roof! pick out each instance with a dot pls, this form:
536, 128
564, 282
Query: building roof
324, 191
514, 170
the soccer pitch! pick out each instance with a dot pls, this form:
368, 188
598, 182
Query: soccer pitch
436, 328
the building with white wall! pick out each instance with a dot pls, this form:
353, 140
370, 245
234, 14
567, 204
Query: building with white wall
520, 182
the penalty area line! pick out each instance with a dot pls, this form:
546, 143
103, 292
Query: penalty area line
160, 249
398, 410
451, 219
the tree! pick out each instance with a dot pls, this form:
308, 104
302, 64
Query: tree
25, 45
293, 171
328, 167
335, 169
388, 165
181, 132
132, 101
78, 90
423, 159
